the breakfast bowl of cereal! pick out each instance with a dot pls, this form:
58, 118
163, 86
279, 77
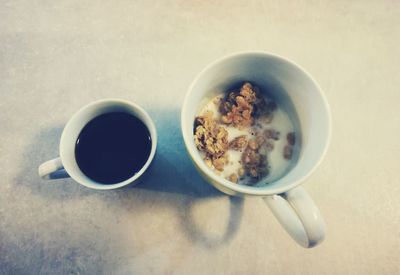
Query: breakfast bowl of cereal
256, 124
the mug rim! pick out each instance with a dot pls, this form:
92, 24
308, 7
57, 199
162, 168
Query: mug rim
92, 183
244, 189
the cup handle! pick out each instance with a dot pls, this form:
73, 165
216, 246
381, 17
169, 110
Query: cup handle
52, 169
299, 215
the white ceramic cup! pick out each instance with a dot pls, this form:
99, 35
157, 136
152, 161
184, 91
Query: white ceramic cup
296, 91
66, 166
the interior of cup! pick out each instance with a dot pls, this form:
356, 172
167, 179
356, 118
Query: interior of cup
81, 118
291, 87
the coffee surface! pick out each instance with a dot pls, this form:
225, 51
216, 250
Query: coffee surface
112, 147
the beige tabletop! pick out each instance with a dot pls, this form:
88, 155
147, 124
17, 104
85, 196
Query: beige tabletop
56, 56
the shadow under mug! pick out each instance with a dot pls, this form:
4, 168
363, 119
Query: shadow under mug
66, 165
296, 91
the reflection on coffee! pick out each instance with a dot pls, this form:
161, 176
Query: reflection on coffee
112, 147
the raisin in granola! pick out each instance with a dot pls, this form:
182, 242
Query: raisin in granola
287, 152
291, 139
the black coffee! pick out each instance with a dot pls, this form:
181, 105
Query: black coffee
112, 147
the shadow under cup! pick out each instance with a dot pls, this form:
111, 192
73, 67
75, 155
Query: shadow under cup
77, 123
290, 86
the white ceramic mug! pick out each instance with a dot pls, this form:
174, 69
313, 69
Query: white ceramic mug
300, 95
66, 166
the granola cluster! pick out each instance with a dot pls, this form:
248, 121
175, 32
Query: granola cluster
254, 159
242, 109
212, 140
254, 162
238, 143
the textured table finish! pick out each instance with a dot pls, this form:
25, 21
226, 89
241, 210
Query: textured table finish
58, 56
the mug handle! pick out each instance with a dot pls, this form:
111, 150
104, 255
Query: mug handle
299, 215
52, 169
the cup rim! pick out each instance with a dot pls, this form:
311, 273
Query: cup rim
91, 183
257, 191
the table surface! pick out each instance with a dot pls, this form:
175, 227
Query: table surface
58, 56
